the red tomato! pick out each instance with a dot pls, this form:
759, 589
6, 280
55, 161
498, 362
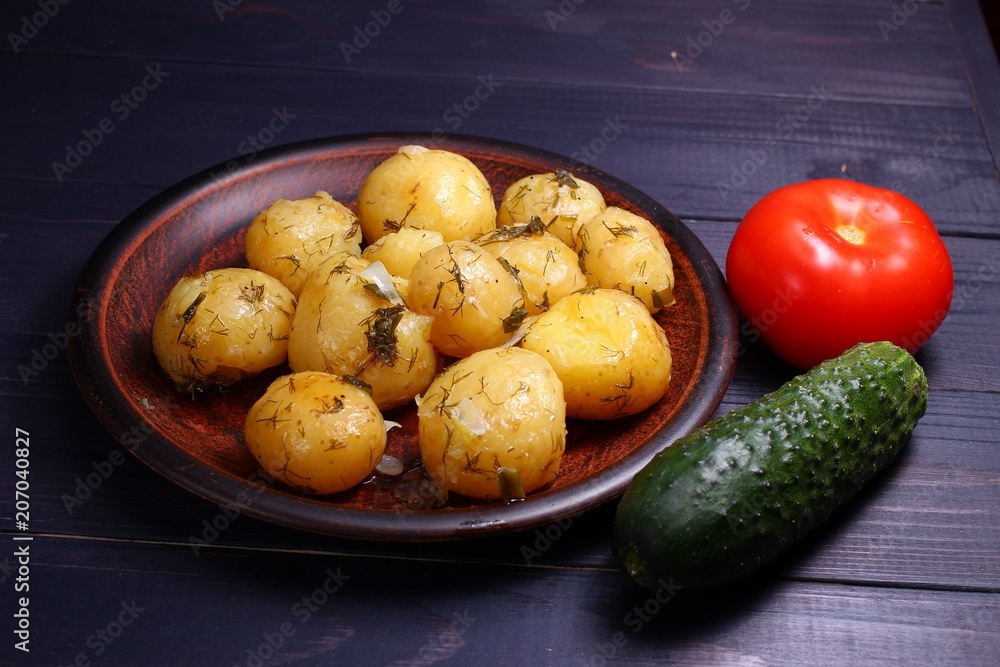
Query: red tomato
816, 267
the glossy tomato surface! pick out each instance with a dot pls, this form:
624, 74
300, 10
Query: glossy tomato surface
818, 266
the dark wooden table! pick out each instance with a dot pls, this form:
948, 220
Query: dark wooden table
705, 106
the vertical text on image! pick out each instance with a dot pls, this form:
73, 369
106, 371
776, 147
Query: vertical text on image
22, 551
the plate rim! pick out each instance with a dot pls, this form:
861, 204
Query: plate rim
222, 488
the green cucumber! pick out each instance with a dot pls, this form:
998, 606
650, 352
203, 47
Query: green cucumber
736, 493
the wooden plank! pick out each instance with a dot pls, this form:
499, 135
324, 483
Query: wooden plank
317, 609
931, 520
864, 50
979, 57
702, 155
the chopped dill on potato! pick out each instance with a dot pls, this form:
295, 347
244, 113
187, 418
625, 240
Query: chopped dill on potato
381, 333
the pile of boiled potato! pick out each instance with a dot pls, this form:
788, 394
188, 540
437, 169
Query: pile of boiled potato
498, 324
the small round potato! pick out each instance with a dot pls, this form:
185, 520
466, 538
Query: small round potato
547, 268
316, 432
560, 200
289, 239
426, 189
621, 250
326, 334
218, 327
611, 355
346, 326
499, 408
476, 304
400, 250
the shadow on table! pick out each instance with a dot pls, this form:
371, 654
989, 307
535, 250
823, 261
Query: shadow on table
991, 13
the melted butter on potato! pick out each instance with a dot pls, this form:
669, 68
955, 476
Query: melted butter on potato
621, 250
498, 408
346, 325
217, 327
613, 358
547, 268
290, 238
426, 189
562, 202
475, 302
316, 432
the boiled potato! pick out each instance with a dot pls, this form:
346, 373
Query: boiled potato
316, 432
326, 333
346, 324
426, 189
621, 250
562, 202
217, 327
611, 355
547, 268
498, 408
476, 304
288, 239
400, 250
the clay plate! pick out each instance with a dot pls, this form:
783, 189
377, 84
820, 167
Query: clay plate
199, 224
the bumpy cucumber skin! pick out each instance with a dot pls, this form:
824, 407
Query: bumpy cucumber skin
736, 493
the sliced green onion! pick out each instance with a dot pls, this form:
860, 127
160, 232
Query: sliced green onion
663, 298
521, 332
412, 149
379, 282
511, 489
468, 415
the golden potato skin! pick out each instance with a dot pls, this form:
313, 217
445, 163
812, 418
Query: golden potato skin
426, 189
290, 238
476, 304
217, 327
345, 328
495, 408
560, 200
613, 358
402, 249
326, 334
547, 268
621, 250
316, 432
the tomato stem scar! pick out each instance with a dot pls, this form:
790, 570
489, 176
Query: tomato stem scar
851, 234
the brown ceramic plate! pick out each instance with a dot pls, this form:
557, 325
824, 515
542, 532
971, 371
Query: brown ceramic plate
199, 225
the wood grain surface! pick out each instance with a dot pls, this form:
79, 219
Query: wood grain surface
898, 94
